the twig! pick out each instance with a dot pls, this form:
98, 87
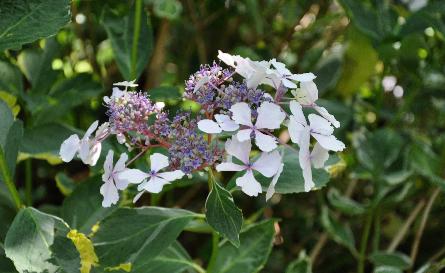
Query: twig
425, 215
404, 229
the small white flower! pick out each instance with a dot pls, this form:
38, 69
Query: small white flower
223, 123
116, 178
87, 149
126, 84
285, 77
300, 133
117, 93
157, 179
268, 164
270, 116
307, 95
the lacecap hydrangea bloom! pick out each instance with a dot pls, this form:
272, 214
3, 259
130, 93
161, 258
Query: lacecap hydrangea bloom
235, 108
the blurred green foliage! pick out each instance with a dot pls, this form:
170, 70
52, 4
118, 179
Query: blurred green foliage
382, 211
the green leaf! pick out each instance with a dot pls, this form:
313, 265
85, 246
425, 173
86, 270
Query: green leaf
170, 9
339, 232
120, 30
300, 265
252, 254
24, 21
393, 259
36, 64
138, 235
6, 122
344, 204
222, 213
426, 162
11, 79
43, 142
387, 269
83, 208
172, 260
65, 184
64, 96
378, 150
35, 242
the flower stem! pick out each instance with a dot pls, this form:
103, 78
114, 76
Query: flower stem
4, 170
28, 182
136, 33
215, 248
364, 242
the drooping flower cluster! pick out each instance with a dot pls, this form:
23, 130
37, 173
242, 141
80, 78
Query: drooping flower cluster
233, 102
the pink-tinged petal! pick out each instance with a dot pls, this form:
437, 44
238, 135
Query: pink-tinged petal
120, 164
319, 155
264, 142
324, 113
229, 167
271, 189
270, 116
238, 149
110, 194
154, 185
91, 129
249, 185
330, 142
226, 58
171, 176
108, 167
94, 154
69, 148
209, 126
297, 112
289, 84
137, 196
158, 161
305, 77
320, 125
226, 123
133, 176
244, 135
295, 128
268, 163
241, 114
305, 161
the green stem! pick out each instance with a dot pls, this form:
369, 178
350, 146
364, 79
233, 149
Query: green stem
136, 33
28, 182
215, 248
377, 228
8, 180
364, 242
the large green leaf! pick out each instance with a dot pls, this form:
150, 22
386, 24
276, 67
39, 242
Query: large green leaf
120, 30
222, 213
378, 150
43, 142
83, 208
344, 204
24, 21
427, 163
252, 254
136, 236
35, 242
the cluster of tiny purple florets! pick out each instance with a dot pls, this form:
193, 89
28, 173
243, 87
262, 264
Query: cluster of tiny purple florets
220, 91
130, 112
189, 151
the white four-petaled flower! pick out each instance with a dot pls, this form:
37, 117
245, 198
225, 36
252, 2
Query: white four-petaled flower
267, 164
154, 180
270, 116
115, 178
87, 149
300, 133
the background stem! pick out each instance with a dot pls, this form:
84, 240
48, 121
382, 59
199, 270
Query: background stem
137, 31
28, 182
8, 181
364, 242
